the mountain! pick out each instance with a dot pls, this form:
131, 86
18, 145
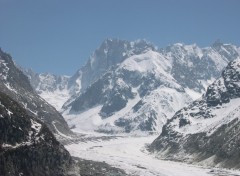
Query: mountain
143, 90
133, 86
17, 86
58, 89
122, 99
27, 146
193, 66
110, 53
206, 131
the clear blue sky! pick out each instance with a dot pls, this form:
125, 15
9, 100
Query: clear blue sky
58, 36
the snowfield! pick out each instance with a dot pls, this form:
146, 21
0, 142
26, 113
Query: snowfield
129, 154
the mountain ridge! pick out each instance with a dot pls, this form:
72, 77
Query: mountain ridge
189, 67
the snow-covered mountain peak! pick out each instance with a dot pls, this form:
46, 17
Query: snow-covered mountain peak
122, 98
110, 53
114, 51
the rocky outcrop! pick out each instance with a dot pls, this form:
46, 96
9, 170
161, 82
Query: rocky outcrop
27, 146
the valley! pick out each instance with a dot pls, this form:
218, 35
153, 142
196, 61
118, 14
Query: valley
119, 88
129, 153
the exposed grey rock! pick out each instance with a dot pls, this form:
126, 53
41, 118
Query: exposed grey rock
27, 146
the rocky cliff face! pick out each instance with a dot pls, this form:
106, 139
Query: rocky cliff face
206, 131
16, 85
27, 146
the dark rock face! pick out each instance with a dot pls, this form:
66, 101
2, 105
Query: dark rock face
116, 103
27, 146
16, 85
208, 128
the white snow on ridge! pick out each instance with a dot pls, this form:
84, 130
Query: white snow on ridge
222, 115
150, 61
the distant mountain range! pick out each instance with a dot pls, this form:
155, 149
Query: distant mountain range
133, 86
